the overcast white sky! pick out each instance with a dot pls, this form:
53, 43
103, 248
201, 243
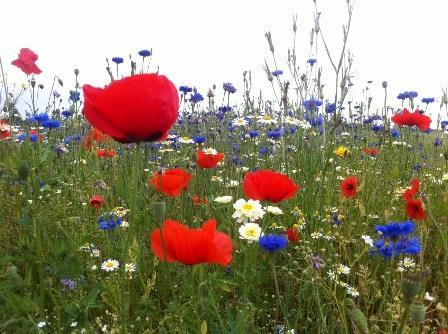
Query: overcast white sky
202, 42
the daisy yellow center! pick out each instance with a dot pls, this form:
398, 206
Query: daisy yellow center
247, 207
267, 118
109, 265
185, 138
251, 233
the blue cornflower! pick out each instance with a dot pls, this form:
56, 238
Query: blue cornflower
393, 230
110, 223
273, 242
33, 137
56, 94
31, 119
196, 97
67, 113
395, 133
41, 117
117, 60
312, 61
68, 284
264, 150
312, 104
51, 124
408, 246
253, 133
293, 130
224, 109
199, 139
185, 89
74, 96
73, 138
417, 167
274, 134
377, 127
330, 108
228, 87
145, 53
438, 141
315, 121
277, 73
428, 100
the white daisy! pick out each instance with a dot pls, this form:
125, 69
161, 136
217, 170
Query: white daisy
110, 265
210, 151
129, 267
250, 231
367, 239
249, 211
223, 199
240, 122
342, 269
274, 210
41, 324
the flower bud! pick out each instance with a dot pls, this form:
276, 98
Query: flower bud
417, 312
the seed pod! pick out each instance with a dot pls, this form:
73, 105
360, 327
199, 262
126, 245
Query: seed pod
417, 312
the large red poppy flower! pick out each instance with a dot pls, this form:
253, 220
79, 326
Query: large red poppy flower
171, 182
423, 122
27, 62
268, 185
349, 186
138, 108
176, 242
206, 160
415, 210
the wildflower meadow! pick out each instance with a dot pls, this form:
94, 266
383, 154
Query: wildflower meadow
147, 206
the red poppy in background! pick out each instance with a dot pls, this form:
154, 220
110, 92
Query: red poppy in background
349, 186
199, 200
373, 152
206, 160
171, 182
97, 201
292, 234
137, 108
26, 61
423, 122
178, 243
94, 136
268, 185
410, 193
4, 130
102, 153
415, 210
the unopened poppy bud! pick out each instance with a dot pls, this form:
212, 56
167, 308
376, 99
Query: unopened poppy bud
384, 84
360, 320
33, 82
159, 208
410, 287
41, 86
76, 71
417, 312
60, 82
